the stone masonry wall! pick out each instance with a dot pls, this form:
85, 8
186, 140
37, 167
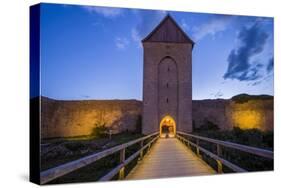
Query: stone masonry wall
76, 118
228, 114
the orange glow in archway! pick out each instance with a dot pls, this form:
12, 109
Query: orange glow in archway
167, 127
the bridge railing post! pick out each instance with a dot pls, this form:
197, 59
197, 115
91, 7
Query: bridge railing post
122, 159
197, 147
188, 142
148, 148
219, 163
141, 153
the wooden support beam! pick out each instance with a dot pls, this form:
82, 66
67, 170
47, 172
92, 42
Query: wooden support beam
149, 145
122, 159
219, 152
197, 147
141, 152
219, 164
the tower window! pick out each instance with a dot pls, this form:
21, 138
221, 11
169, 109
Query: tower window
168, 69
167, 85
167, 100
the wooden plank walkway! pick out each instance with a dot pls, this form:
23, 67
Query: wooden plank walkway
169, 158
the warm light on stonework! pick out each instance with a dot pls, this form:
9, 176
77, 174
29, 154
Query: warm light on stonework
247, 119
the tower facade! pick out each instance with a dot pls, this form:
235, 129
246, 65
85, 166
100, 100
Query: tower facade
167, 79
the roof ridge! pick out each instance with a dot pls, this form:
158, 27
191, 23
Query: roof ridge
168, 16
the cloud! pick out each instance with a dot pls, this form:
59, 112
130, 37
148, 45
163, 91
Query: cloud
212, 27
252, 42
270, 65
136, 36
147, 21
256, 83
217, 94
264, 79
183, 24
121, 43
104, 11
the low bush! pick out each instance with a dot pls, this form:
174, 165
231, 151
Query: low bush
99, 130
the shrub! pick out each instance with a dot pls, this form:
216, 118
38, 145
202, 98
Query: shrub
99, 130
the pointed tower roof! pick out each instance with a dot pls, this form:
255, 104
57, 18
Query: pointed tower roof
168, 31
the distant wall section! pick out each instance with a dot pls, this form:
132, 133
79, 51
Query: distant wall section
227, 114
76, 118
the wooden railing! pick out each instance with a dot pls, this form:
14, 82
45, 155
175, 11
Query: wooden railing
56, 172
186, 138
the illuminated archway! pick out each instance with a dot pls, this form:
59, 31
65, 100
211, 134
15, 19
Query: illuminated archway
167, 127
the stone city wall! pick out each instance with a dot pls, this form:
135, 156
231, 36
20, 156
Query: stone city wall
76, 118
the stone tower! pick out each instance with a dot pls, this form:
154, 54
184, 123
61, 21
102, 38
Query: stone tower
167, 78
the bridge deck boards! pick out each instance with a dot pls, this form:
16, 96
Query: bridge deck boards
169, 158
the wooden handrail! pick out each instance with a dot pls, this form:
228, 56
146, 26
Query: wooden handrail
256, 151
114, 171
56, 172
214, 156
248, 149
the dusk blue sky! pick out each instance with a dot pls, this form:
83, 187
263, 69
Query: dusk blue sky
95, 53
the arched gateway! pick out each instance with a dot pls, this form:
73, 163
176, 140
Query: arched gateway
167, 80
167, 127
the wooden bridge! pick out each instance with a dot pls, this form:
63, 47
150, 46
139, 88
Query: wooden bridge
162, 157
169, 158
